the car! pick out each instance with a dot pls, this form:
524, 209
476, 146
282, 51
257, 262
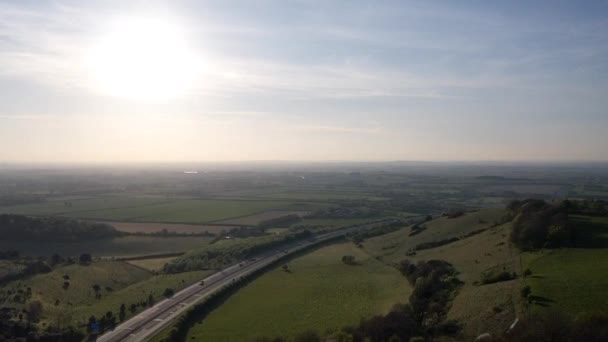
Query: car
202, 283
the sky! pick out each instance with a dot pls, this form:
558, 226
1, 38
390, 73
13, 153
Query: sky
168, 81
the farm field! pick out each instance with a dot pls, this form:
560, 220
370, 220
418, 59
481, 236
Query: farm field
158, 209
117, 247
334, 222
79, 207
319, 196
138, 227
255, 219
191, 211
320, 292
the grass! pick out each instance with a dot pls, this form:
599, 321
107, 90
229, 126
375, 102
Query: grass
136, 293
319, 195
393, 247
118, 247
320, 292
255, 219
334, 222
8, 267
138, 227
572, 279
155, 264
81, 206
473, 305
187, 211
157, 209
48, 288
120, 282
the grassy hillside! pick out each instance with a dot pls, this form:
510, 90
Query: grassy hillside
483, 308
56, 299
393, 247
572, 279
119, 283
319, 292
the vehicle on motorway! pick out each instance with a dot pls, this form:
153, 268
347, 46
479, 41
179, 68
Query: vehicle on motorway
202, 283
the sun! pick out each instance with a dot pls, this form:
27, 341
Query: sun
145, 59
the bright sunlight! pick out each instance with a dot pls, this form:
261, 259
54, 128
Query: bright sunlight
142, 59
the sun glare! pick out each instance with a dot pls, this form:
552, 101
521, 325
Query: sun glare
143, 59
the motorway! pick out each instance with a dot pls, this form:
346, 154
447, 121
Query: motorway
150, 322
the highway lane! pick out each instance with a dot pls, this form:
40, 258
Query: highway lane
151, 321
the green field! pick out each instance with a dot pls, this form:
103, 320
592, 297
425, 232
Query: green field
573, 279
319, 196
117, 247
81, 205
319, 293
156, 209
570, 279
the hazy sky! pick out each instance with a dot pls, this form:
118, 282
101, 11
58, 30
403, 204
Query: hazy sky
303, 80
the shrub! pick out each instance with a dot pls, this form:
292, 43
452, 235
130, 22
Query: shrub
526, 291
349, 260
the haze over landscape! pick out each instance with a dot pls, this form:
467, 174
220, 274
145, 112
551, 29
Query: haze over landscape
115, 81
303, 171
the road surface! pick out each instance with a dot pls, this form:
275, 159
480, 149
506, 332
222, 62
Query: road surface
151, 321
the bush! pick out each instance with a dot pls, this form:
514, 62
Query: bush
349, 260
526, 291
490, 277
168, 292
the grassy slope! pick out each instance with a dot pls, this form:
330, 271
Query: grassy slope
48, 287
137, 292
474, 304
320, 293
129, 284
392, 247
155, 264
573, 279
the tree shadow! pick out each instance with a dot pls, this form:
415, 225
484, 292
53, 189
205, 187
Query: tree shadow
589, 234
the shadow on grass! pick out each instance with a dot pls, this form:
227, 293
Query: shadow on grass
541, 301
589, 234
